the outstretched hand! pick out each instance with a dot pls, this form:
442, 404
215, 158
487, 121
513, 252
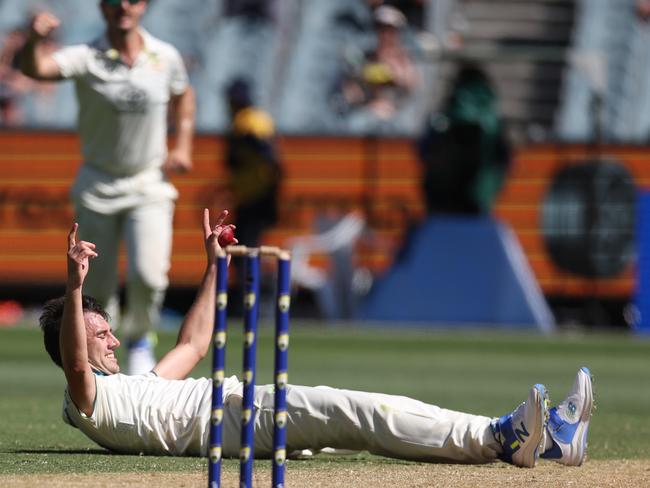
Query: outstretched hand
43, 24
78, 257
211, 233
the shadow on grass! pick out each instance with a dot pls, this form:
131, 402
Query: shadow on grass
320, 459
103, 452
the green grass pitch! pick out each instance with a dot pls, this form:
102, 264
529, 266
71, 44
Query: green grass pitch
480, 372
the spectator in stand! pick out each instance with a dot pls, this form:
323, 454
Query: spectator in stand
464, 149
413, 10
253, 10
14, 85
642, 8
378, 80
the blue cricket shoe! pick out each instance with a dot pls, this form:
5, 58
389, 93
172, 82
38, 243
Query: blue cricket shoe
521, 433
566, 433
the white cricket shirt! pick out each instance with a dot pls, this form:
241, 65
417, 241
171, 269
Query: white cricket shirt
123, 110
150, 415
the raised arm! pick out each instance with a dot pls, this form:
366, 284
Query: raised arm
36, 63
182, 110
72, 338
195, 335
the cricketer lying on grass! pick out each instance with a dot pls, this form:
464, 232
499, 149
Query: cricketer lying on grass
164, 412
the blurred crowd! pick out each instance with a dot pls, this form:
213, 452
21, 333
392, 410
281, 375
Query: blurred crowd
374, 80
18, 93
376, 71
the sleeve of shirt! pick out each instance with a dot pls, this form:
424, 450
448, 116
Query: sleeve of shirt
72, 60
179, 79
73, 416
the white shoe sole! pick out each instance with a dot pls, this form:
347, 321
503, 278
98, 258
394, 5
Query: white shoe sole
530, 450
577, 452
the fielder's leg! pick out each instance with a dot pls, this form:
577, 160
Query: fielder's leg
388, 425
148, 236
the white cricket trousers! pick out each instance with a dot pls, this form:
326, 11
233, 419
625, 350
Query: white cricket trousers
387, 425
147, 233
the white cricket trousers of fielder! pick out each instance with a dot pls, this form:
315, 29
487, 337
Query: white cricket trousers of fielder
388, 425
147, 234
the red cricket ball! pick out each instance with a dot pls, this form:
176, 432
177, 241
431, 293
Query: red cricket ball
226, 237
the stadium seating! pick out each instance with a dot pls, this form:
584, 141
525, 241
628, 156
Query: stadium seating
609, 60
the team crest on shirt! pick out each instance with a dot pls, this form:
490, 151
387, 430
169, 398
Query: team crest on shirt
215, 454
280, 456
155, 61
109, 60
131, 98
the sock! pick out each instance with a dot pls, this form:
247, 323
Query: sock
496, 446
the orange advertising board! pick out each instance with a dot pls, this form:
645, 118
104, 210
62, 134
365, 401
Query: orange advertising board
323, 175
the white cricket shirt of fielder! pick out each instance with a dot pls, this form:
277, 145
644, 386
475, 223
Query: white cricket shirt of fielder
123, 120
149, 414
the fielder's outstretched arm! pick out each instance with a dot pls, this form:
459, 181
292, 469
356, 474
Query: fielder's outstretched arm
35, 62
195, 335
72, 338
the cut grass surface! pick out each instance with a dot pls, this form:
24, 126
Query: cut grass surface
480, 372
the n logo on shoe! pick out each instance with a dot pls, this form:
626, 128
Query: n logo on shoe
521, 433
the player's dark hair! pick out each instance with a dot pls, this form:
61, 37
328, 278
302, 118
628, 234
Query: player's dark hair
50, 322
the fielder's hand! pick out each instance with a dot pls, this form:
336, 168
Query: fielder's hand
78, 256
43, 24
212, 233
178, 161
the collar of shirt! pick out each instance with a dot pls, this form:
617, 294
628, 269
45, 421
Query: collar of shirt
103, 44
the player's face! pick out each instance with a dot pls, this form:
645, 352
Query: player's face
101, 344
123, 15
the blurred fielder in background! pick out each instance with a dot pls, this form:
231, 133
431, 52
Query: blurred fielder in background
125, 81
253, 163
165, 412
